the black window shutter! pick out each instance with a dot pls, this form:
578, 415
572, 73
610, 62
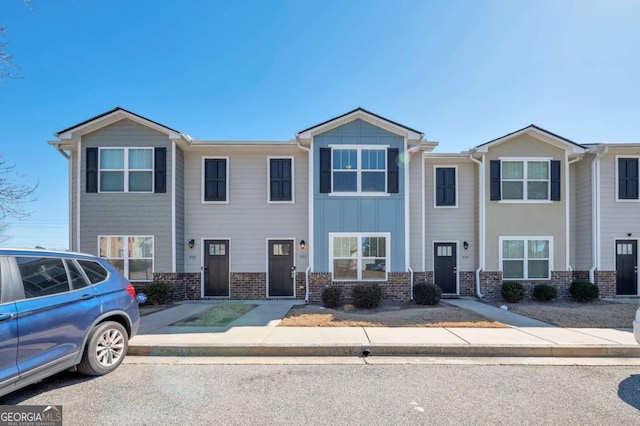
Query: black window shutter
393, 174
215, 180
280, 179
628, 178
325, 170
494, 178
160, 170
556, 180
92, 170
445, 186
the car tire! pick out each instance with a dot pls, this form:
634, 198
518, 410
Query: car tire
105, 350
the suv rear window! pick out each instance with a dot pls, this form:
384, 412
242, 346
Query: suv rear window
42, 276
95, 272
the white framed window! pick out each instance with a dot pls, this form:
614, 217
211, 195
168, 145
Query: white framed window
525, 179
131, 255
359, 169
125, 169
359, 257
280, 180
526, 258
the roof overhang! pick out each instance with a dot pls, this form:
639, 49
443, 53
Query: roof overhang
539, 133
360, 114
72, 134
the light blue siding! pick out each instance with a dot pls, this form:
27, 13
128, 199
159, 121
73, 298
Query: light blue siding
384, 213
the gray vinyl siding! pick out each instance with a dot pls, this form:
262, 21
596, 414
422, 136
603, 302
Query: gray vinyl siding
181, 242
248, 219
127, 213
617, 219
415, 212
73, 203
358, 214
451, 224
581, 215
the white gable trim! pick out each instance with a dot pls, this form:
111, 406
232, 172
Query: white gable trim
538, 134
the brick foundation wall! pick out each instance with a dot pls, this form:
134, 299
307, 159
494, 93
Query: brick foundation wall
606, 281
467, 283
397, 287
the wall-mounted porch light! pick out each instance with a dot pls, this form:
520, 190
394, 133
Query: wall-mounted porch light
465, 245
303, 244
192, 243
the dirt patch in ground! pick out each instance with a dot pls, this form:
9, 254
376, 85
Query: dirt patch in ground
388, 314
566, 313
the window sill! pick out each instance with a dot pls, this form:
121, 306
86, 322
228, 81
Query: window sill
627, 200
525, 202
359, 194
215, 202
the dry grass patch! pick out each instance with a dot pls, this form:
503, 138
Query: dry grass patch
597, 314
389, 314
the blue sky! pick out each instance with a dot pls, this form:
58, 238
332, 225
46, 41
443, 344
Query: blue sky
462, 72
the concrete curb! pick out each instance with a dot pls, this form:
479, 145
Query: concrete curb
388, 350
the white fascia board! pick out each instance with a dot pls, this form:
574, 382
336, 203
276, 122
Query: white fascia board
409, 135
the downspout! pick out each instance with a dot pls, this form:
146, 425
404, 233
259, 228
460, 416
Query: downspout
480, 222
568, 215
310, 215
411, 279
595, 213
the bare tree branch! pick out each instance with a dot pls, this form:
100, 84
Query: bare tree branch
8, 68
13, 195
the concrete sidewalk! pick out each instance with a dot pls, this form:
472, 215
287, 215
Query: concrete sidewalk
256, 334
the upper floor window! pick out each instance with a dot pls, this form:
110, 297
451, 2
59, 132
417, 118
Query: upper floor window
280, 180
359, 257
131, 255
216, 180
526, 180
526, 258
628, 178
445, 186
126, 169
358, 170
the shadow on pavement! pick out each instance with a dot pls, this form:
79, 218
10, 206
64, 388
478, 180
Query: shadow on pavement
629, 391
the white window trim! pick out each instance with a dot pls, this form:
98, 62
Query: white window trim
202, 194
617, 180
435, 187
526, 257
293, 179
359, 170
127, 257
126, 169
525, 180
358, 235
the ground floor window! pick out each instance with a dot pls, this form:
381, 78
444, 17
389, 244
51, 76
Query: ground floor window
131, 255
359, 257
526, 258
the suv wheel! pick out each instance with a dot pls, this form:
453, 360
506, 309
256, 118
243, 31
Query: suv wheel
105, 350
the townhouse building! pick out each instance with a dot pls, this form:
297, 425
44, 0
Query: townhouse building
357, 198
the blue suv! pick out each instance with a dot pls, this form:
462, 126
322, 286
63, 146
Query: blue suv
61, 311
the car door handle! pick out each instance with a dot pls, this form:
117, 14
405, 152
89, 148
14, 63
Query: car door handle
4, 317
87, 296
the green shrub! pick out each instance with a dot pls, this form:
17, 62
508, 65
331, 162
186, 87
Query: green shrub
157, 292
331, 297
545, 292
584, 291
427, 294
512, 291
367, 296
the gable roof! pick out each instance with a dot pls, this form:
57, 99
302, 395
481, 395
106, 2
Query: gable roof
361, 113
538, 133
112, 116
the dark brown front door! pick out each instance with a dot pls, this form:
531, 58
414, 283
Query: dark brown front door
281, 269
216, 268
445, 267
627, 267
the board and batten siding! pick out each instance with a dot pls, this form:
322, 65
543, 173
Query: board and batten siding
131, 213
248, 220
523, 219
581, 215
617, 218
358, 214
452, 224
